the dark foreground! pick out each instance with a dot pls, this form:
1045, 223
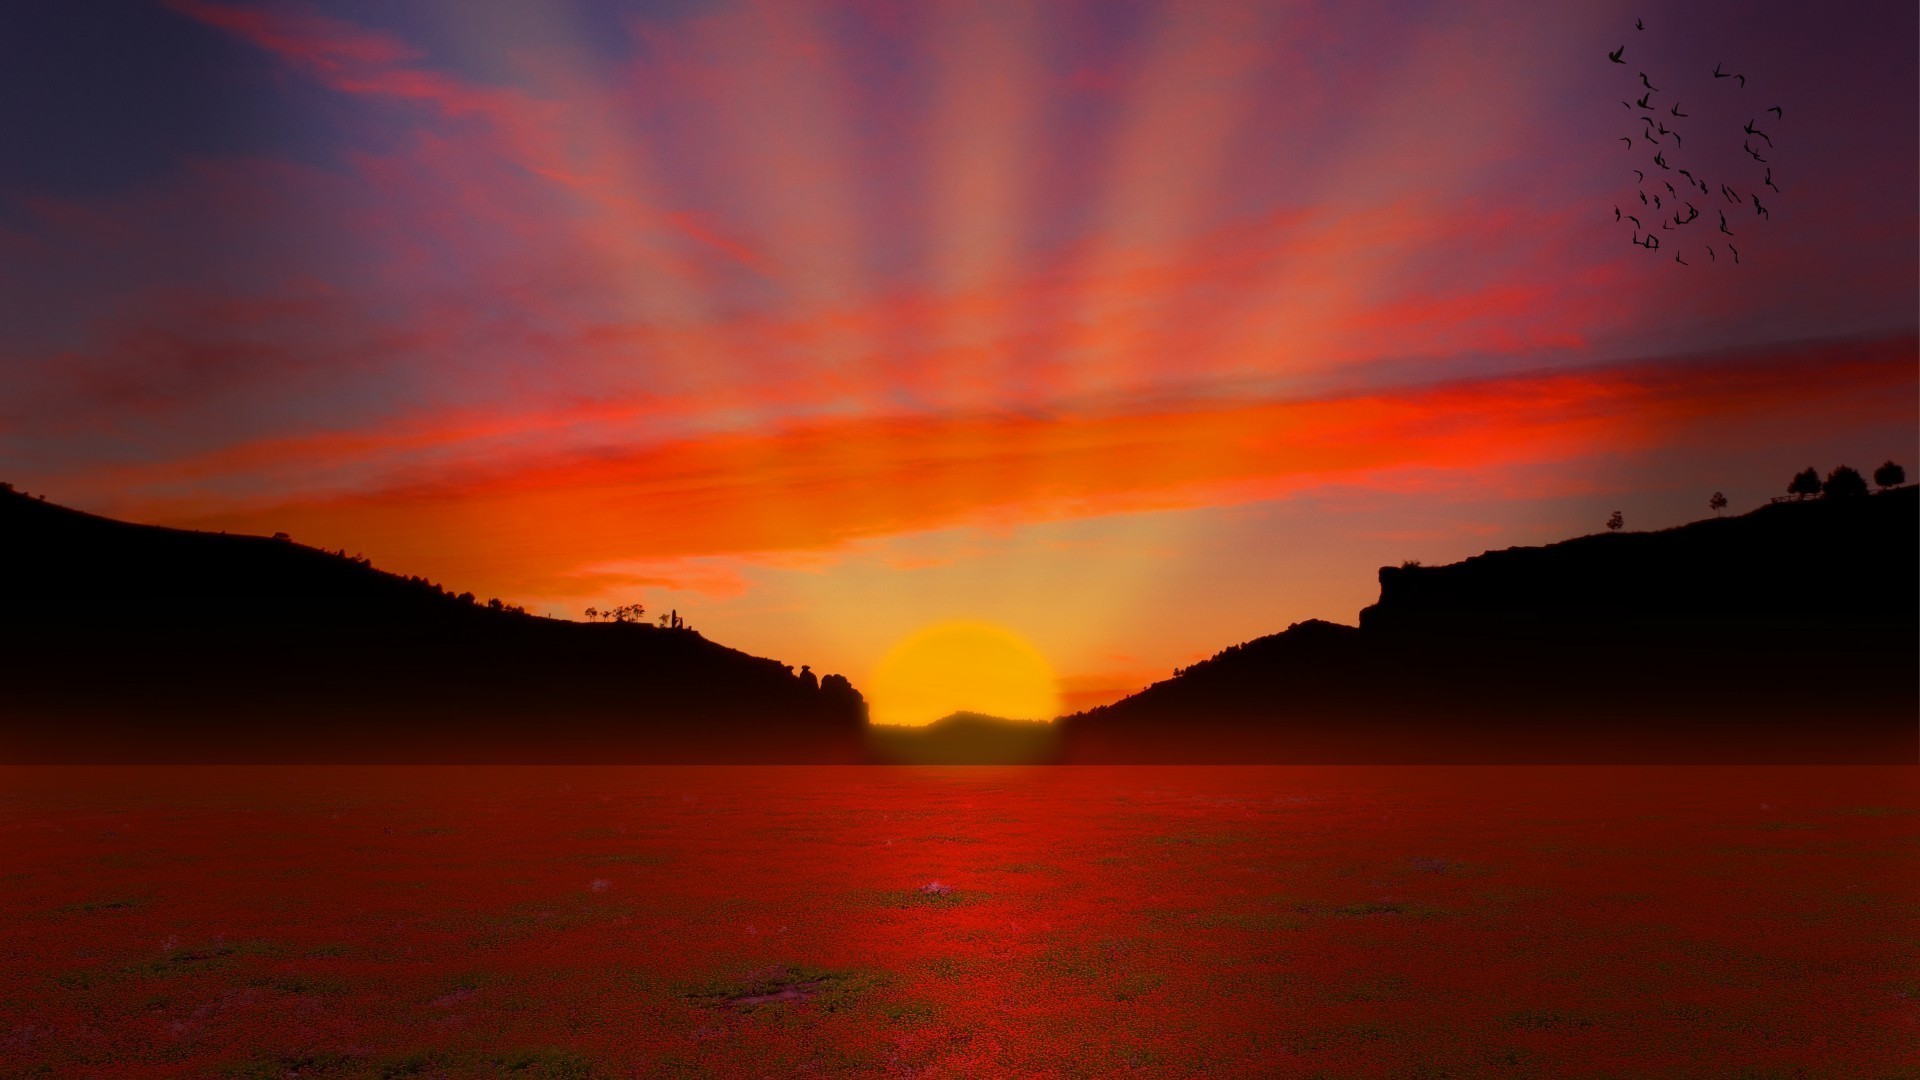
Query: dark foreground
560, 922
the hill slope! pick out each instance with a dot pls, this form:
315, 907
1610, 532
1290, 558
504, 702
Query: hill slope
122, 642
1787, 634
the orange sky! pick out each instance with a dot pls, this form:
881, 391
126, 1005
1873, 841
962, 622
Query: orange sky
1139, 329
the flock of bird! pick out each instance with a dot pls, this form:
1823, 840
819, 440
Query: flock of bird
1655, 132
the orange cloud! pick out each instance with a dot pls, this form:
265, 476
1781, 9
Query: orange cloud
521, 525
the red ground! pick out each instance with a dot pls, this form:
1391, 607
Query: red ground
771, 921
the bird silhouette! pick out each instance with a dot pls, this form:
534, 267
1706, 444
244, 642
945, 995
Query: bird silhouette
1692, 212
1732, 195
1743, 81
1676, 111
1670, 191
1627, 140
1663, 126
1770, 178
1616, 213
1653, 242
1676, 138
1754, 153
1627, 104
1615, 55
1648, 135
1717, 73
1775, 110
1660, 159
1761, 210
1656, 202
1643, 102
1648, 85
1635, 220
1643, 198
1751, 130
1736, 253
1723, 223
1681, 261
1639, 177
1665, 225
1638, 25
1703, 188
1711, 255
1688, 175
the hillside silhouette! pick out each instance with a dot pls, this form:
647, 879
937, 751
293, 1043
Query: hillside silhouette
965, 738
123, 642
1787, 634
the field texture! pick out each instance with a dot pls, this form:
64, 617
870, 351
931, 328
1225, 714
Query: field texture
546, 922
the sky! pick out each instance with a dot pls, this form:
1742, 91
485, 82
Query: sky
1136, 329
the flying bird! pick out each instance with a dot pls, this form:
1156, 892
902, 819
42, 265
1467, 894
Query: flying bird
1643, 198
1761, 210
1653, 242
1732, 195
1648, 85
1775, 110
1656, 202
1676, 111
1616, 213
1711, 255
1670, 190
1755, 153
1751, 130
1628, 141
1743, 81
1723, 223
1688, 175
1717, 73
1736, 253
1770, 178
1692, 212
1676, 138
1639, 176
1660, 159
1635, 220
1638, 25
1664, 224
1615, 55
1681, 261
1643, 102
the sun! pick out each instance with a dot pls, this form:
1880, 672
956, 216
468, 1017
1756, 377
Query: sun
962, 666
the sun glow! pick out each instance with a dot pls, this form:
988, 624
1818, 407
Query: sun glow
962, 666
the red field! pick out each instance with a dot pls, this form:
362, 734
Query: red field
1088, 922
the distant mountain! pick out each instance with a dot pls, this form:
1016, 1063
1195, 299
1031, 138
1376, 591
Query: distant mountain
123, 642
965, 738
1788, 634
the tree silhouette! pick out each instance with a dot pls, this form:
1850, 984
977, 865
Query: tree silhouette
1805, 482
1889, 475
1843, 481
1717, 503
1617, 522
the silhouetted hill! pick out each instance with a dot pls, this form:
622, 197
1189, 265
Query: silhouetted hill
122, 642
965, 738
1787, 634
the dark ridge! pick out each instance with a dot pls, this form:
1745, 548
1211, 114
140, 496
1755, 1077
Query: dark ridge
123, 642
1787, 634
966, 738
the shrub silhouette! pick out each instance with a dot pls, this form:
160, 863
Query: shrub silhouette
1889, 475
1843, 481
1805, 482
1617, 522
1717, 503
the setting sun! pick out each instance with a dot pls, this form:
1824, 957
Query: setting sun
963, 667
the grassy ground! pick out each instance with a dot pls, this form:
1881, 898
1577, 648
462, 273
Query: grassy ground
543, 922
